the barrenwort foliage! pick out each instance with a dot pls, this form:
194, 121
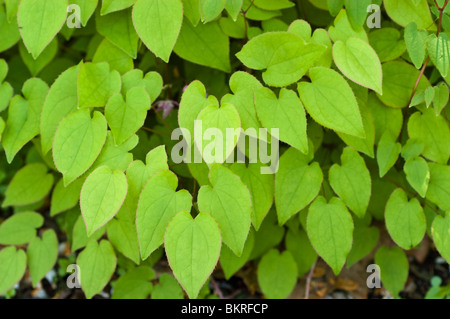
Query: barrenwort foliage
307, 129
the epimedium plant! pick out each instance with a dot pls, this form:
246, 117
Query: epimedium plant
91, 92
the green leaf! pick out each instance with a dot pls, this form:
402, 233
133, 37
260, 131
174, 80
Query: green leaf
224, 124
211, 9
65, 198
399, 79
351, 181
343, 30
296, 184
394, 268
61, 100
439, 52
158, 203
387, 153
417, 174
42, 254
331, 102
284, 56
233, 8
405, 221
73, 154
36, 65
403, 12
285, 113
13, 263
365, 240
115, 5
358, 61
123, 236
10, 31
79, 235
357, 12
87, 9
268, 236
229, 202
412, 148
384, 118
439, 187
20, 228
433, 131
416, 43
191, 10
116, 58
96, 83
139, 173
261, 187
118, 28
273, 5
152, 82
126, 117
387, 43
441, 237
204, 44
168, 288
298, 244
330, 230
97, 263
441, 97
277, 274
158, 23
134, 284
23, 117
193, 249
102, 195
39, 21
6, 90
230, 262
29, 185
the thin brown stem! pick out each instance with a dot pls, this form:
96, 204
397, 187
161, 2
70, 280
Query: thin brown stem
155, 131
217, 288
308, 280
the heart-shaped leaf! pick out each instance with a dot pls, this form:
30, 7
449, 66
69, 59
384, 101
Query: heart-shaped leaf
193, 249
20, 228
42, 254
441, 236
13, 264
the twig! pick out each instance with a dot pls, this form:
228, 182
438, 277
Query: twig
308, 280
217, 288
155, 131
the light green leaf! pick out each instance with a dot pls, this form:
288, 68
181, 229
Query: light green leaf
117, 59
385, 118
233, 8
221, 123
284, 56
273, 5
118, 28
211, 9
441, 235
285, 113
13, 263
357, 60
39, 21
277, 274
152, 82
20, 228
61, 100
387, 43
403, 12
36, 65
102, 195
97, 263
416, 43
394, 268
158, 23
168, 288
87, 9
24, 117
441, 97
357, 12
193, 249
96, 83
387, 153
29, 185
434, 132
73, 154
230, 262
158, 203
330, 230
439, 52
65, 198
42, 254
6, 90
296, 184
115, 5
10, 31
228, 200
331, 102
365, 240
439, 187
139, 173
134, 284
191, 10
205, 44
261, 187
343, 30
126, 117
79, 235
418, 174
405, 221
351, 181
